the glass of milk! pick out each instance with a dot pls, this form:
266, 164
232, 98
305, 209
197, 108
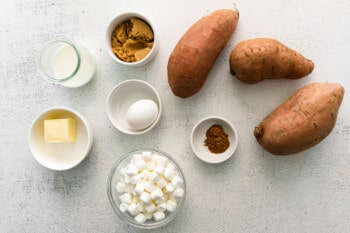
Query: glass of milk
67, 63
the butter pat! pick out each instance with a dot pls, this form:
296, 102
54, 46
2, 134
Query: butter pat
60, 130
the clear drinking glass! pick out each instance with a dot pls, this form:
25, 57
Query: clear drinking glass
67, 63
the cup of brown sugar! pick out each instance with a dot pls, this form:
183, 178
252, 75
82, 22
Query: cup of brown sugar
131, 39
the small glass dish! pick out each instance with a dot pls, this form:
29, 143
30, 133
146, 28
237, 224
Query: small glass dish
115, 201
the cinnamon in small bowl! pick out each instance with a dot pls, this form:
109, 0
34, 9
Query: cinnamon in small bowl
217, 139
214, 139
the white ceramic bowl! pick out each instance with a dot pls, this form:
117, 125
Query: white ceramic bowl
60, 156
122, 96
198, 137
122, 18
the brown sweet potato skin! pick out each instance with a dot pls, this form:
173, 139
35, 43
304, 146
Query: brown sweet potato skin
255, 60
302, 121
196, 52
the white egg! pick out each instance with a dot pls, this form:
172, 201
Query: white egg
141, 114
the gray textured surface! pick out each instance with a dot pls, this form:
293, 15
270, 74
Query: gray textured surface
252, 192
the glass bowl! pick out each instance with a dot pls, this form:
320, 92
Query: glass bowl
118, 175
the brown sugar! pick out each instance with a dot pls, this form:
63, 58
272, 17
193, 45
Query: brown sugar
141, 30
132, 40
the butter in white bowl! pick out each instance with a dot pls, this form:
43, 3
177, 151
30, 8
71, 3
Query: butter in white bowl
61, 149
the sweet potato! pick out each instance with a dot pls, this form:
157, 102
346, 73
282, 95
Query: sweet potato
196, 52
255, 60
302, 121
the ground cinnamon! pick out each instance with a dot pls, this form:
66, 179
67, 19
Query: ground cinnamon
216, 139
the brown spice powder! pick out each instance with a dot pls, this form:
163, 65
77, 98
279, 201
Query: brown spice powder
216, 139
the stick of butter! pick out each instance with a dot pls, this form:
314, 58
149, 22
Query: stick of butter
60, 130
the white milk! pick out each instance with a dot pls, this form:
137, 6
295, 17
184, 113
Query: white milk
65, 63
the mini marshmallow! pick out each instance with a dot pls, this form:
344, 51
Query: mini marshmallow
146, 155
158, 216
156, 194
161, 160
149, 186
123, 207
148, 215
120, 187
178, 193
153, 176
171, 166
125, 179
161, 183
135, 179
169, 188
125, 198
159, 169
122, 171
161, 207
177, 181
139, 189
132, 170
151, 165
169, 173
145, 198
133, 209
145, 174
155, 156
140, 218
136, 157
160, 200
140, 164
171, 205
129, 188
140, 207
150, 208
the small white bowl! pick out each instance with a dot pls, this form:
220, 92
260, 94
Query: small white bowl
122, 96
60, 156
198, 137
122, 18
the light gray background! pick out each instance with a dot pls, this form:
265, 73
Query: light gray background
254, 191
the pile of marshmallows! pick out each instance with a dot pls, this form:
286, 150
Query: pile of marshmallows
150, 186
